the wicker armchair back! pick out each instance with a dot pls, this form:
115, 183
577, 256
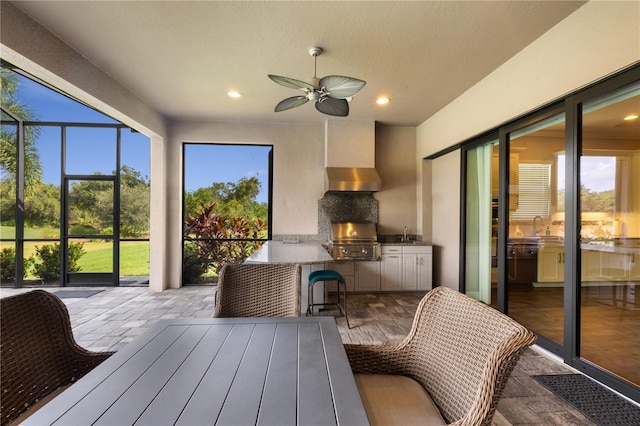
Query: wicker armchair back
459, 349
38, 352
259, 290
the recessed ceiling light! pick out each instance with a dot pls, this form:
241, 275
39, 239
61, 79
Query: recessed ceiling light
631, 117
233, 94
382, 100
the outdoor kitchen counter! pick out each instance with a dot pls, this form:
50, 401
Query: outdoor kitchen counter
306, 253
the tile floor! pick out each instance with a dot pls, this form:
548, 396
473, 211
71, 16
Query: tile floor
115, 316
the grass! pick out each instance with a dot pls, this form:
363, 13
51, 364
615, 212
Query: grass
98, 257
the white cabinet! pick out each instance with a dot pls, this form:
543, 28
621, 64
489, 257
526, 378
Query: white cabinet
551, 264
591, 269
614, 266
634, 267
417, 271
359, 276
406, 268
391, 266
600, 265
401, 268
367, 275
347, 270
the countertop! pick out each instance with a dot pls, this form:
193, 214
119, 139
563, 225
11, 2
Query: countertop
612, 245
306, 252
410, 243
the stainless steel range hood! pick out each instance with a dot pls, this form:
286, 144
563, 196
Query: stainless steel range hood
350, 156
352, 179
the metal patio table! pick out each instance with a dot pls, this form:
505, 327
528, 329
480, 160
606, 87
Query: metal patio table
223, 371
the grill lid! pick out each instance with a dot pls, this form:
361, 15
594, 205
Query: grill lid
352, 232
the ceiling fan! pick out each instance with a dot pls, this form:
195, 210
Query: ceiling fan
331, 93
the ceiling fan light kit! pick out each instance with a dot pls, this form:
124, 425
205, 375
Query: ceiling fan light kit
330, 94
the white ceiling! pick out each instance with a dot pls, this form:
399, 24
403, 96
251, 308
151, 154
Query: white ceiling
182, 57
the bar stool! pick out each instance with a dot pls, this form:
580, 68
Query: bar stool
328, 275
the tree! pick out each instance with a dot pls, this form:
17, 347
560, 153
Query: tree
231, 199
9, 138
44, 208
134, 202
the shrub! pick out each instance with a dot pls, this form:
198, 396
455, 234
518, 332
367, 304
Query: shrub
192, 265
8, 264
221, 239
49, 267
82, 230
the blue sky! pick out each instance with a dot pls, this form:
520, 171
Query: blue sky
203, 165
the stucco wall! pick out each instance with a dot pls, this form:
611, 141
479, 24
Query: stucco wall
595, 41
395, 162
298, 173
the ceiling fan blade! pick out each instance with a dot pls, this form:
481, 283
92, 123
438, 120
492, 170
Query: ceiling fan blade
291, 82
291, 103
330, 106
341, 87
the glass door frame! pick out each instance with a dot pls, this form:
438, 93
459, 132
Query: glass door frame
571, 105
572, 231
65, 237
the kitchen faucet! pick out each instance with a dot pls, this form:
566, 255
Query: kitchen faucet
404, 237
535, 231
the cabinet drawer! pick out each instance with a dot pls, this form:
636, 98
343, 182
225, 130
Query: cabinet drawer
417, 249
391, 249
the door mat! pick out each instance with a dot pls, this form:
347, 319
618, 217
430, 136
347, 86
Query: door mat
596, 402
76, 294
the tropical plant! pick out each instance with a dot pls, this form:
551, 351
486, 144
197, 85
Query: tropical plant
220, 239
193, 266
9, 138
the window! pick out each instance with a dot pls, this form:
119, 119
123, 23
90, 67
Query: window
226, 207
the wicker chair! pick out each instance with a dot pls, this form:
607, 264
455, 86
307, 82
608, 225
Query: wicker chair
459, 350
38, 352
259, 290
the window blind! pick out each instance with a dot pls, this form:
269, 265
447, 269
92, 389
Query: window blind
534, 189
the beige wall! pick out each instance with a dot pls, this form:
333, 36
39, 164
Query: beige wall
298, 173
595, 41
445, 187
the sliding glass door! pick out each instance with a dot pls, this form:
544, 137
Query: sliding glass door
610, 233
551, 233
535, 238
481, 278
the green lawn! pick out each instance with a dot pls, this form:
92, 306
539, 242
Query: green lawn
98, 257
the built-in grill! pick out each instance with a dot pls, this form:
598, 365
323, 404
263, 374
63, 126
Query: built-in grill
354, 241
